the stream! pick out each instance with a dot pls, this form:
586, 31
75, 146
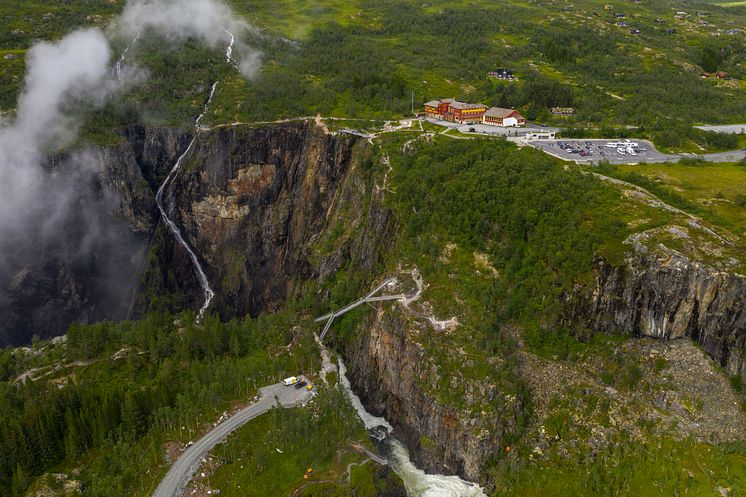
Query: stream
209, 294
416, 482
116, 71
203, 281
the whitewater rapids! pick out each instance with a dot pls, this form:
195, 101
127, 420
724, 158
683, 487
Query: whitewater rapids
416, 482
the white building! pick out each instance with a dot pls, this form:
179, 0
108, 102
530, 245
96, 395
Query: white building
541, 135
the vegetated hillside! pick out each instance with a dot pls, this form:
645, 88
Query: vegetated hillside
107, 410
714, 192
484, 374
371, 59
496, 371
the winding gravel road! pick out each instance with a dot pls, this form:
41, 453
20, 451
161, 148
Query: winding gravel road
177, 478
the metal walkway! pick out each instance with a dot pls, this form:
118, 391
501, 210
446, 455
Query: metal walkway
329, 318
371, 455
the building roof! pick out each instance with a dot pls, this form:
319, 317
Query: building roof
432, 103
499, 112
563, 110
463, 105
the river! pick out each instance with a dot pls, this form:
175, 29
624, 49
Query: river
416, 481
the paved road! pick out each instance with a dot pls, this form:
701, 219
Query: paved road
650, 155
177, 478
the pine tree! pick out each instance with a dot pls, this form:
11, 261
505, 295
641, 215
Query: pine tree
132, 416
20, 481
73, 442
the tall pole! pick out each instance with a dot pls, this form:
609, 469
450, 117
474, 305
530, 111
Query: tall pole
412, 101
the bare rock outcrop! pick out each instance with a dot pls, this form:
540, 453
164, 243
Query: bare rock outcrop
267, 209
664, 294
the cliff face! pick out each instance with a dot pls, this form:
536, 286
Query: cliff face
269, 208
663, 294
264, 208
393, 375
83, 252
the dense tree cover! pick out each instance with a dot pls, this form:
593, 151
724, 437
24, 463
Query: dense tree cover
399, 51
723, 54
131, 384
540, 224
615, 83
375, 58
24, 23
535, 95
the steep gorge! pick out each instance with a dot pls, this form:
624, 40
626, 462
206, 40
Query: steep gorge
265, 208
270, 208
277, 210
83, 263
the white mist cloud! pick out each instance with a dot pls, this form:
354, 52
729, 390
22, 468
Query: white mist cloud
179, 20
36, 196
73, 67
77, 68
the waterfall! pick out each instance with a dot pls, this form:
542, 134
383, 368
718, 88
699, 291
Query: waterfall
229, 51
416, 482
209, 294
203, 281
116, 71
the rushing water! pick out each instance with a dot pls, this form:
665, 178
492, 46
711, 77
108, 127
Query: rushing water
229, 50
116, 71
203, 281
209, 294
416, 482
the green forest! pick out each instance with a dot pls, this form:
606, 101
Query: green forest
377, 60
503, 236
124, 389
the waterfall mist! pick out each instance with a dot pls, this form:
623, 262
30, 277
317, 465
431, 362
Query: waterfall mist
66, 245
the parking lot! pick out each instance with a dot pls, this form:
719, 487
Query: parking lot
615, 151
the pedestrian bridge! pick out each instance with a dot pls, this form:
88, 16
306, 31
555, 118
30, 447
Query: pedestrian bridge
371, 297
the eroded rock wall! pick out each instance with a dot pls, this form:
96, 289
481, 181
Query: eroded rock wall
268, 208
664, 294
83, 245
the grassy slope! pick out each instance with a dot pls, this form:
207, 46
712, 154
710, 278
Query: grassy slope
718, 188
